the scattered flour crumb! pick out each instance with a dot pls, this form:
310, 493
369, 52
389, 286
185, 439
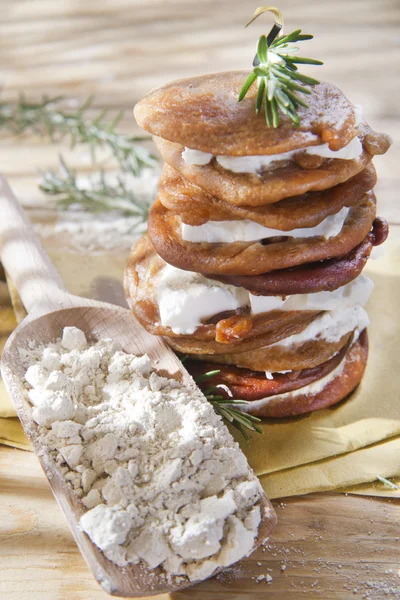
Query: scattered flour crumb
259, 578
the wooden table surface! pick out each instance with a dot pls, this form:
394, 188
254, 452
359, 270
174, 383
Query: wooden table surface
326, 546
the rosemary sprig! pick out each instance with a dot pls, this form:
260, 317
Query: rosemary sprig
279, 82
225, 407
388, 483
97, 195
49, 118
239, 419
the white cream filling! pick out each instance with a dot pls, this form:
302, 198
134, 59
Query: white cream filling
214, 232
354, 293
331, 326
186, 299
270, 374
312, 388
257, 163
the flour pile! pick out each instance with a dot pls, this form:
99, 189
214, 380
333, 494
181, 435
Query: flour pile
161, 477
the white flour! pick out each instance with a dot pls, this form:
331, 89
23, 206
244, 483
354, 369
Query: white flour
88, 232
163, 480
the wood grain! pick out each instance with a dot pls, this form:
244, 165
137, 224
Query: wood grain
334, 547
330, 545
120, 49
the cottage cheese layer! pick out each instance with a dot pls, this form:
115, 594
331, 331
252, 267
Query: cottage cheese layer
313, 388
163, 481
258, 163
187, 299
331, 326
355, 293
246, 230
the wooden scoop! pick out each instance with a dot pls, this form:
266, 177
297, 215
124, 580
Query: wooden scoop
51, 308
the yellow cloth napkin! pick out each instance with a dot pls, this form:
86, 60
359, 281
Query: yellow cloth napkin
372, 412
340, 473
346, 445
375, 488
7, 324
12, 434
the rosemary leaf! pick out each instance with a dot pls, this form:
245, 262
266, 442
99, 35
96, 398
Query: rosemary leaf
303, 78
242, 430
275, 114
388, 483
290, 38
247, 85
271, 87
260, 95
207, 375
262, 49
290, 85
223, 413
301, 61
242, 418
282, 98
268, 112
296, 99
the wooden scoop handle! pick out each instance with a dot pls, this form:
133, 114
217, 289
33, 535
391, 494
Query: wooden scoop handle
24, 258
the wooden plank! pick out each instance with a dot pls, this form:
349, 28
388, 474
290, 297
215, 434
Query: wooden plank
119, 50
333, 547
328, 545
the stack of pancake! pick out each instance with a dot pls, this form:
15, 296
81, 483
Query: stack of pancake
257, 240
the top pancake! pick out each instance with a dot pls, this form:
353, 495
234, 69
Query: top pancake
203, 113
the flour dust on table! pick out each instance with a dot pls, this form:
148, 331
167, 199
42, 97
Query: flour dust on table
87, 232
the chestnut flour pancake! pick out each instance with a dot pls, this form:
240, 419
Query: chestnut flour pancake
264, 187
203, 113
194, 206
254, 258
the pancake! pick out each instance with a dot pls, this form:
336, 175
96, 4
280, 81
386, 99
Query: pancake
240, 332
194, 206
273, 358
269, 398
282, 325
246, 384
327, 275
204, 113
271, 185
255, 258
